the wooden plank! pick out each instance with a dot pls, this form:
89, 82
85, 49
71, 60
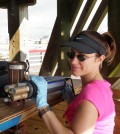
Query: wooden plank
117, 118
84, 16
75, 7
114, 28
116, 96
116, 84
51, 54
8, 112
99, 15
5, 3
11, 116
17, 27
35, 124
64, 36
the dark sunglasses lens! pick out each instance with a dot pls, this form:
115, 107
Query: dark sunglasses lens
81, 57
71, 55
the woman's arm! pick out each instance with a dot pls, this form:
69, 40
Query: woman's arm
83, 122
54, 125
85, 118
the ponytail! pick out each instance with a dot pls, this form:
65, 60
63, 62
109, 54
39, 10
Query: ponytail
110, 47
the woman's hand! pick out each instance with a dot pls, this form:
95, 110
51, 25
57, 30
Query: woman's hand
41, 84
68, 94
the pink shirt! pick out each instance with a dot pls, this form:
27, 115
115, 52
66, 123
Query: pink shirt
99, 94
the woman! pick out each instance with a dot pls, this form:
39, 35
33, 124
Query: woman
92, 111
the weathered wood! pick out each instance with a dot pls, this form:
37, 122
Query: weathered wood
51, 55
116, 84
75, 7
83, 17
116, 96
117, 118
114, 29
115, 81
35, 124
8, 112
18, 114
5, 3
17, 27
64, 36
99, 15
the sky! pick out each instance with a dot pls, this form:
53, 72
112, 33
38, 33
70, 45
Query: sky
41, 19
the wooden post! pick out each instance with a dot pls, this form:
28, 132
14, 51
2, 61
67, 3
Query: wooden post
17, 26
66, 13
64, 35
114, 29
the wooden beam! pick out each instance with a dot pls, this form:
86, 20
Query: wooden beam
64, 36
51, 54
60, 34
84, 16
13, 30
75, 7
13, 18
99, 15
114, 29
115, 72
5, 3
17, 31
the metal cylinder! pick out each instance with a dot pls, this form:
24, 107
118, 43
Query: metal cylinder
17, 71
19, 90
8, 87
19, 96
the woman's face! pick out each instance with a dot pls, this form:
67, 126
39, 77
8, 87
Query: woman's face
88, 66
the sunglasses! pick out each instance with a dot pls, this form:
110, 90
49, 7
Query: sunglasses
80, 57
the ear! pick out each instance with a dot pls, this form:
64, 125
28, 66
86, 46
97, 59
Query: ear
101, 58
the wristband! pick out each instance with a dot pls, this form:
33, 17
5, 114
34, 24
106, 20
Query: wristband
44, 110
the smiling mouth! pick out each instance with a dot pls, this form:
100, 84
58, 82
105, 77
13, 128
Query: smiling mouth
74, 68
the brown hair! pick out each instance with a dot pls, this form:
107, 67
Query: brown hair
106, 40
